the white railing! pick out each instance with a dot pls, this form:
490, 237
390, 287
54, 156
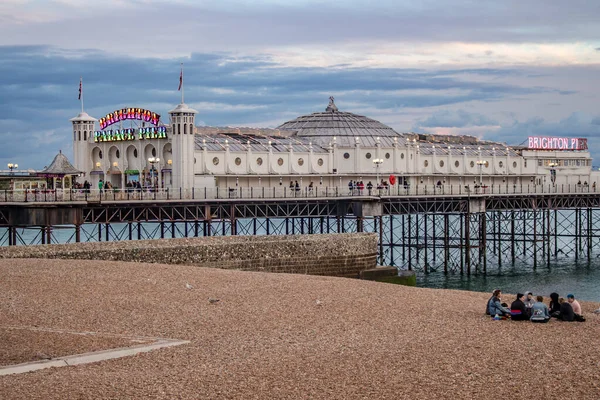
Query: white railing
279, 192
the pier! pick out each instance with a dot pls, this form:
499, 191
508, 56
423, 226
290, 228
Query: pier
424, 228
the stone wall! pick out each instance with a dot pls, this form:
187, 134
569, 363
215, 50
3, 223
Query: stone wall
332, 254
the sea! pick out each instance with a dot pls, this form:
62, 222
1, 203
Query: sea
564, 275
580, 278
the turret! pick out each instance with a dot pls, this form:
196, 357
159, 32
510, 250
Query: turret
83, 132
182, 142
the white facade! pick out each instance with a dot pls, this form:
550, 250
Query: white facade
225, 158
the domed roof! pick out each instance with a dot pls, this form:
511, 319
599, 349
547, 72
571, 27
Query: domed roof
83, 117
183, 108
322, 127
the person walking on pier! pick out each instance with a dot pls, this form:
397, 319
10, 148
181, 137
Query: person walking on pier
539, 311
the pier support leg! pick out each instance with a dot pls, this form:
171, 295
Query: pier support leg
468, 242
446, 242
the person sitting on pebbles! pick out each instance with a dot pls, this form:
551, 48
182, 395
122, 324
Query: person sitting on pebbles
566, 311
576, 308
539, 311
495, 307
517, 309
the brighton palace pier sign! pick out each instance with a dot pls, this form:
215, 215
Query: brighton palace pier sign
140, 114
556, 143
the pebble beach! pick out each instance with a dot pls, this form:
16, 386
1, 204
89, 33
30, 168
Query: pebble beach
280, 336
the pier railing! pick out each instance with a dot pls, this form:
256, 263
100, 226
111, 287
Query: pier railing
278, 192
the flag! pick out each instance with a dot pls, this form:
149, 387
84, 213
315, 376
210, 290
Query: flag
80, 82
180, 79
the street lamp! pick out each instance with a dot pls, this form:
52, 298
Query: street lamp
377, 162
480, 163
152, 161
12, 166
553, 166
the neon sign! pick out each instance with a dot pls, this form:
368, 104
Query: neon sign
556, 143
117, 135
129, 113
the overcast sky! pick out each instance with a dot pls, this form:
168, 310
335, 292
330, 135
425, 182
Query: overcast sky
497, 70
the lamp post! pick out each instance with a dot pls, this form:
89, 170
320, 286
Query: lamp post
152, 161
12, 166
480, 164
170, 164
377, 162
553, 166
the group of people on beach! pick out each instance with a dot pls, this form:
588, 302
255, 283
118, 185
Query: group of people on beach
526, 307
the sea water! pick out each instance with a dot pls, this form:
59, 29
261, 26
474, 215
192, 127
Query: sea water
581, 278
564, 275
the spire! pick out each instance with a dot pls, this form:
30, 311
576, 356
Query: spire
81, 92
181, 83
331, 107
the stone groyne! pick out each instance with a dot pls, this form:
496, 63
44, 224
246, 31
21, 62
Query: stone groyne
343, 255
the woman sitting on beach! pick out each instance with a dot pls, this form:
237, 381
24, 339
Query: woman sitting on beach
495, 307
539, 311
554, 305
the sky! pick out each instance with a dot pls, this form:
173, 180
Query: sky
499, 70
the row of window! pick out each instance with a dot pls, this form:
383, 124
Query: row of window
472, 164
135, 153
564, 163
185, 129
259, 161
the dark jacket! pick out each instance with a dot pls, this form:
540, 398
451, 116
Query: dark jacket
566, 312
518, 311
554, 305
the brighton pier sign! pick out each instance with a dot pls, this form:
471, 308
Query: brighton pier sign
115, 135
556, 143
129, 113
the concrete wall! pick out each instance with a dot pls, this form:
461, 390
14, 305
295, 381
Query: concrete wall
332, 255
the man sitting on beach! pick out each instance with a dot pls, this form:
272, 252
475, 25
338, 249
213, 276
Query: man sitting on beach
566, 311
539, 311
517, 309
574, 303
576, 308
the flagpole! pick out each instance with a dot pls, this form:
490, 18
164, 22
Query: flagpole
182, 83
81, 83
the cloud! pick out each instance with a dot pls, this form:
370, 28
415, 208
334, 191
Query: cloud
40, 84
455, 119
385, 33
578, 125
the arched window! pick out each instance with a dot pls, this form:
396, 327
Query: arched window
84, 135
79, 135
178, 129
74, 136
173, 129
191, 129
185, 129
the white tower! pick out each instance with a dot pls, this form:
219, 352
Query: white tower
83, 133
182, 142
